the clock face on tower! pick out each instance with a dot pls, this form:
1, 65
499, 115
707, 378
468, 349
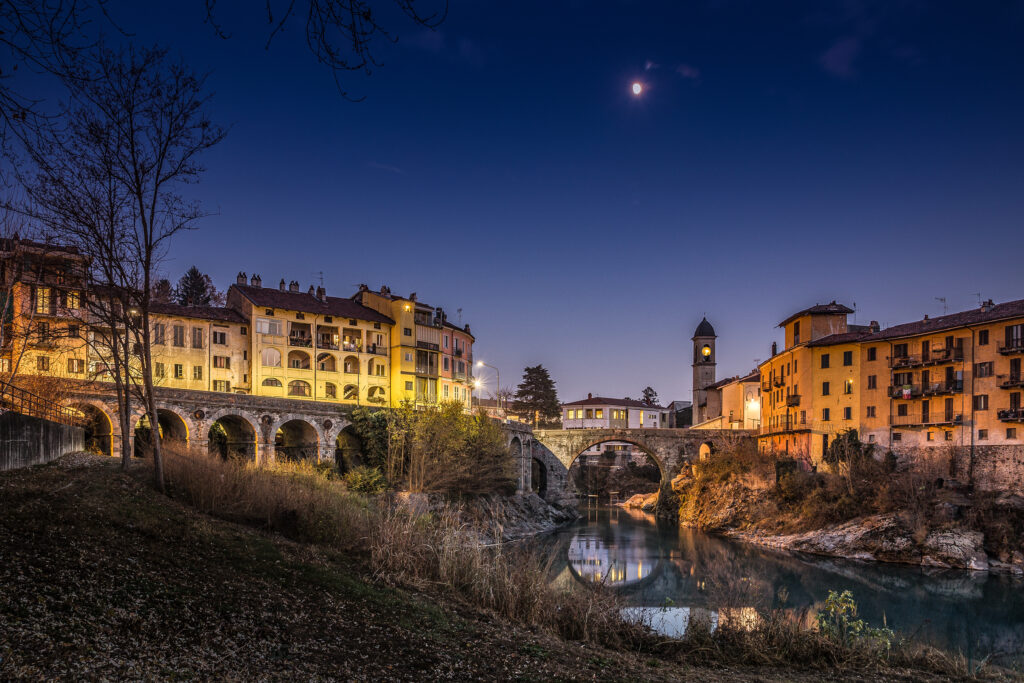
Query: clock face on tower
705, 351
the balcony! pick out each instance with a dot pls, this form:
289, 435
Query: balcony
766, 386
377, 349
428, 345
297, 340
921, 420
458, 353
428, 370
905, 391
1011, 415
904, 361
352, 347
1014, 346
934, 357
789, 423
955, 386
779, 381
1010, 381
459, 376
793, 400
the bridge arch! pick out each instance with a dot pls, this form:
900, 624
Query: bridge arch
231, 435
296, 439
100, 426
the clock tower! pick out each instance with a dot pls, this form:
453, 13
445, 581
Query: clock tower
703, 368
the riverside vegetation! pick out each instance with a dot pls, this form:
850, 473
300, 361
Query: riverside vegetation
867, 506
285, 571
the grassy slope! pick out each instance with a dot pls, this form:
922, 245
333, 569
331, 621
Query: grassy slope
100, 577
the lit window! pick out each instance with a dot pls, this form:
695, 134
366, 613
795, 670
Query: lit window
44, 299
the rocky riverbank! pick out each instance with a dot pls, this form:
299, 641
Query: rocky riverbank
497, 518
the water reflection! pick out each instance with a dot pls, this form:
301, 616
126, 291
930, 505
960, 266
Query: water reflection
654, 564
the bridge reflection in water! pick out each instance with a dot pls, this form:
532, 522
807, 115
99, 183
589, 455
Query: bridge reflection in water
692, 576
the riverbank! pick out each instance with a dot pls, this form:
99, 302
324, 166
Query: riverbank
109, 579
886, 516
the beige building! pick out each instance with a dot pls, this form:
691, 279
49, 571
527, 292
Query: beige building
733, 403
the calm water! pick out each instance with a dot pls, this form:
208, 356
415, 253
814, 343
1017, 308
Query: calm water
653, 564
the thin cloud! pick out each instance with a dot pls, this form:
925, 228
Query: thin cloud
839, 59
648, 65
688, 72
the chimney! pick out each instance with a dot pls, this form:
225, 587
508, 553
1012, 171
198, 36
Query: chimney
293, 286
926, 317
240, 279
256, 281
412, 297
311, 291
384, 289
775, 349
590, 396
987, 306
467, 329
281, 286
873, 326
321, 294
363, 288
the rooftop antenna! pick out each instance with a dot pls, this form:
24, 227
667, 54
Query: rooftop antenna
459, 311
944, 307
978, 294
320, 274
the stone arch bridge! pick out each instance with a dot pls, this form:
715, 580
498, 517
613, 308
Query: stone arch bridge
670, 449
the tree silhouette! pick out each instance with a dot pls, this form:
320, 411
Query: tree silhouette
649, 397
195, 288
536, 397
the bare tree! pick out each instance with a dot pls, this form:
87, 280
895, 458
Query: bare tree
112, 179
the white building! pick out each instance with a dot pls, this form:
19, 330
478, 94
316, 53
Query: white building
597, 412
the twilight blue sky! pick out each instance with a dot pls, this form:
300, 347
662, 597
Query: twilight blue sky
782, 154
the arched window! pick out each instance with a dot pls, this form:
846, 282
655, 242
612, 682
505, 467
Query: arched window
351, 392
351, 365
298, 388
326, 362
271, 358
272, 382
298, 360
330, 390
376, 395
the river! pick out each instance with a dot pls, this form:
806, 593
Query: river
655, 564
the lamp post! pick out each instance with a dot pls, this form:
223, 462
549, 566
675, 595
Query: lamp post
497, 391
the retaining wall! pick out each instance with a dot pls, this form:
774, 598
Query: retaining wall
26, 441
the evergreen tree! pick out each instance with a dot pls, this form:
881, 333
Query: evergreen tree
197, 289
650, 397
163, 292
536, 396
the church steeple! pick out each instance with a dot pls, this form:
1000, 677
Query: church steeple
703, 368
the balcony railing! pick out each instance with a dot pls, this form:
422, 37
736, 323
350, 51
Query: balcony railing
955, 386
793, 400
377, 349
779, 381
351, 346
27, 403
920, 420
788, 424
1015, 346
1012, 415
300, 341
1010, 381
766, 386
326, 344
430, 370
934, 357
905, 391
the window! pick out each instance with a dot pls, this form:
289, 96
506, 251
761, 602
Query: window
446, 363
1011, 432
197, 337
221, 385
901, 410
43, 330
378, 370
949, 436
243, 331
158, 370
871, 438
330, 390
267, 326
590, 413
848, 386
76, 366
825, 414
896, 436
446, 341
159, 334
73, 331
408, 356
847, 413
871, 411
270, 358
300, 316
407, 331
223, 362
872, 353
983, 369
272, 382
982, 341
408, 386
599, 414
298, 388
824, 388
268, 311
796, 332
73, 300
220, 337
900, 350
197, 372
872, 381
352, 393
179, 335
44, 300
179, 371
928, 436
847, 357
42, 363
794, 365
445, 390
982, 434
824, 360
981, 402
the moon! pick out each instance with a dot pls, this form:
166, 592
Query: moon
637, 88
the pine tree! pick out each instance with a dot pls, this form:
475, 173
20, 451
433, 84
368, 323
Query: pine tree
163, 292
536, 396
197, 289
650, 397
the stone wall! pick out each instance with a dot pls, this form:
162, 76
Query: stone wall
26, 441
995, 468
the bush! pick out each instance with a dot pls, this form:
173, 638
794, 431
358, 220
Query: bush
363, 479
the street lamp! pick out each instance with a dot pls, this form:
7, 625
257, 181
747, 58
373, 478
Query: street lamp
497, 391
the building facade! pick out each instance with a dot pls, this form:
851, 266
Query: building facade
733, 403
597, 412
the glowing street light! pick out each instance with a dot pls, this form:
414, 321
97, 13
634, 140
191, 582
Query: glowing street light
497, 391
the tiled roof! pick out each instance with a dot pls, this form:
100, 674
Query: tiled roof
307, 303
755, 376
1010, 309
840, 338
218, 313
704, 329
617, 402
831, 308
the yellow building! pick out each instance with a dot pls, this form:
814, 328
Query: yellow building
307, 345
734, 402
810, 390
416, 352
203, 348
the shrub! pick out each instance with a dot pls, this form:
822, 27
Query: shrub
364, 479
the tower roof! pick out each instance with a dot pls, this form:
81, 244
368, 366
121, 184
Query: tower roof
704, 329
